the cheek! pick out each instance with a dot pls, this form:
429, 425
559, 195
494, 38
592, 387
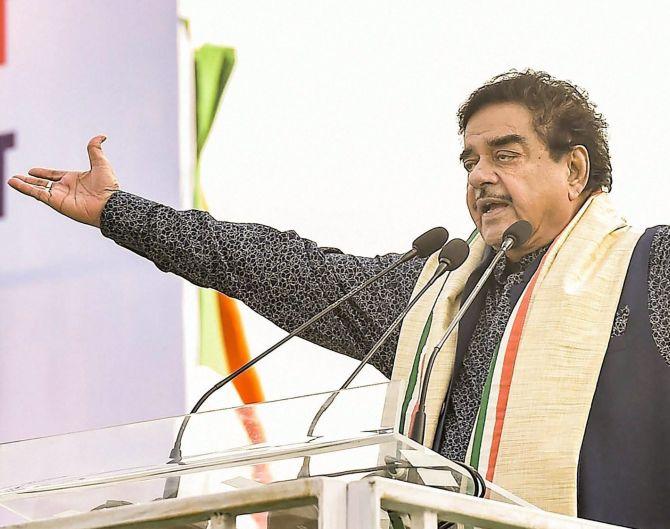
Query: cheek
522, 199
470, 195
470, 202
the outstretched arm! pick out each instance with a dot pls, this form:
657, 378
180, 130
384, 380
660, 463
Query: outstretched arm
280, 275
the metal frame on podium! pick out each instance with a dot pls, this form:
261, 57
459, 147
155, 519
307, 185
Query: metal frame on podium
425, 506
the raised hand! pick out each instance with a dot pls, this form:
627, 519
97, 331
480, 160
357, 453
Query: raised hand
78, 195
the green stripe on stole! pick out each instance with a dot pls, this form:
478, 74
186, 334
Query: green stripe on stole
481, 414
411, 384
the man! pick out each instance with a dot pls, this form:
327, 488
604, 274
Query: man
559, 373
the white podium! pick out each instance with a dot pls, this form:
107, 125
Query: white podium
255, 467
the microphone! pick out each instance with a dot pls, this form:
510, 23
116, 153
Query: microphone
452, 255
514, 236
423, 246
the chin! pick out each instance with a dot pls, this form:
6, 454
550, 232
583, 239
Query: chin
492, 230
492, 237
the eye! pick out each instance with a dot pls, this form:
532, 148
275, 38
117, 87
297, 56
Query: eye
469, 165
506, 156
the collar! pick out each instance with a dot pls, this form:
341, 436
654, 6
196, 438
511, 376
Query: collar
505, 267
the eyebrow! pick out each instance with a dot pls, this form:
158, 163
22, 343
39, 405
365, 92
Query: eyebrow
497, 142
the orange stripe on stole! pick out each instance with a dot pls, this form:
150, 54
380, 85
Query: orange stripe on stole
507, 373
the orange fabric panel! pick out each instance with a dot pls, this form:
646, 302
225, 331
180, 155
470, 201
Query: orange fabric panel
237, 351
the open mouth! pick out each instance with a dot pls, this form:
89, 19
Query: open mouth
491, 208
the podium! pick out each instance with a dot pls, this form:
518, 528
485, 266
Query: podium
254, 466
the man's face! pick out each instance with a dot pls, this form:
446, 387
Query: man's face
511, 176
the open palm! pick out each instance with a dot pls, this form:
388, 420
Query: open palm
78, 195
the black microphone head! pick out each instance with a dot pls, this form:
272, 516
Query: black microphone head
518, 232
430, 242
454, 253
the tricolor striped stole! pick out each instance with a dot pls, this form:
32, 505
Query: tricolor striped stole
542, 378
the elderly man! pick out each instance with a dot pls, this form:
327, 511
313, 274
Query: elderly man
558, 380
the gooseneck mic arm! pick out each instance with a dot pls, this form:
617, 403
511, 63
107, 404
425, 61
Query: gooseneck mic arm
514, 236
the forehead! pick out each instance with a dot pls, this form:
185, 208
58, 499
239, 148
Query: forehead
496, 120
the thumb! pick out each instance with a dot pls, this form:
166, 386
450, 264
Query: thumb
95, 154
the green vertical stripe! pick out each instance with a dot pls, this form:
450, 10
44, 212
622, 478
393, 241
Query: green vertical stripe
211, 352
481, 416
213, 66
415, 370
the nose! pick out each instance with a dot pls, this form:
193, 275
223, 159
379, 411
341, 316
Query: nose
481, 174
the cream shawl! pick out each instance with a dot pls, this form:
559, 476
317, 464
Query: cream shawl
542, 378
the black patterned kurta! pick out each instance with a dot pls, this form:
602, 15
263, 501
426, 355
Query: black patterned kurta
288, 279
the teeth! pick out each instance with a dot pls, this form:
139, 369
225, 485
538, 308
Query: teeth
489, 207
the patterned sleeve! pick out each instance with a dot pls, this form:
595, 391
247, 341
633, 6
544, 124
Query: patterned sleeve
659, 290
280, 275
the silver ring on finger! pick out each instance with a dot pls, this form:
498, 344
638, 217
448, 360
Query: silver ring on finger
48, 186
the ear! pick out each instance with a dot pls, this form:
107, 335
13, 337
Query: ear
578, 171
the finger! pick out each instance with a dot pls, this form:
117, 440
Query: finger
42, 182
37, 192
95, 154
49, 174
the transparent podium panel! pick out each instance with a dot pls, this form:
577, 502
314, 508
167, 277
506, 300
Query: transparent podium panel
222, 450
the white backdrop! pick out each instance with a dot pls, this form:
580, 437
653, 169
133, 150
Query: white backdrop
339, 120
90, 335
